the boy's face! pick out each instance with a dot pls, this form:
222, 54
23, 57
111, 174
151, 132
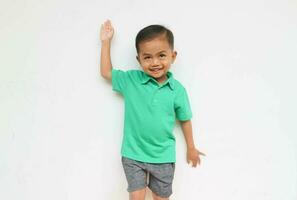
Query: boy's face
155, 57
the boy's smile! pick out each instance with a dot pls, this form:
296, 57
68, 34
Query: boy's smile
155, 57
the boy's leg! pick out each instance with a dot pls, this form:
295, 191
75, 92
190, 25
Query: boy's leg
138, 194
156, 197
136, 176
161, 179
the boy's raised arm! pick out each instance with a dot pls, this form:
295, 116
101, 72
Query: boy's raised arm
106, 34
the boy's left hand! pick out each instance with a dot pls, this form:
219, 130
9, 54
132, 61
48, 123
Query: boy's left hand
106, 31
193, 156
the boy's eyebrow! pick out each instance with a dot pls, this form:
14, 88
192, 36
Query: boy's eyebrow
156, 53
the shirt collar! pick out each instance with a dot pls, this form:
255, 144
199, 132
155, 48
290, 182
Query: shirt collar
146, 78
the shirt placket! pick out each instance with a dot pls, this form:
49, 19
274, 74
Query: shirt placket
154, 99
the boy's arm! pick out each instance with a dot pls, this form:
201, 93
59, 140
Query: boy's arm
106, 34
192, 152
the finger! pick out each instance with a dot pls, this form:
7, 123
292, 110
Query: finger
198, 161
106, 26
202, 154
108, 23
110, 27
194, 163
102, 29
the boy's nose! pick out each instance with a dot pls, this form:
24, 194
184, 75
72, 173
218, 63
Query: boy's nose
156, 61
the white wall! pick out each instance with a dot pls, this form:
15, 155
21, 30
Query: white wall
61, 124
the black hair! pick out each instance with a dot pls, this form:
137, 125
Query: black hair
153, 31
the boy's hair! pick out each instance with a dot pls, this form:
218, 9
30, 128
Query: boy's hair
153, 31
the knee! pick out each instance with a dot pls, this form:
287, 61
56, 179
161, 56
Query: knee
138, 195
156, 197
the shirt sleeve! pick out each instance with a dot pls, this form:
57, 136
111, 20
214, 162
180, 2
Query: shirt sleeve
182, 106
119, 80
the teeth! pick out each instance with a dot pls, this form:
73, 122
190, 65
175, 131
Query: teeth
155, 69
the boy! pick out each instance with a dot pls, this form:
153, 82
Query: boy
153, 99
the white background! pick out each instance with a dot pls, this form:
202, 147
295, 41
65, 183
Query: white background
61, 124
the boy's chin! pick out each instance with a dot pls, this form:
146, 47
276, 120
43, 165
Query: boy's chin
157, 76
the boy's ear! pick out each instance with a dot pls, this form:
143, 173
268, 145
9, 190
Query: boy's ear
137, 58
174, 54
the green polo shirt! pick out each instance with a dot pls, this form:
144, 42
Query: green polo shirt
150, 113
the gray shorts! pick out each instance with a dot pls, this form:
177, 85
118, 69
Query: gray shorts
157, 176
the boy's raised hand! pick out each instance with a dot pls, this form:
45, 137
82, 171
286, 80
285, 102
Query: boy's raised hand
106, 31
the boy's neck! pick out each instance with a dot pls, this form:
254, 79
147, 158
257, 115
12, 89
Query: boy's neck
162, 79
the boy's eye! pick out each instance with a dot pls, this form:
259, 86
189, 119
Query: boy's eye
162, 55
147, 57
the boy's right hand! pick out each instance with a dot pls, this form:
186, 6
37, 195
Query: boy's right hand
106, 31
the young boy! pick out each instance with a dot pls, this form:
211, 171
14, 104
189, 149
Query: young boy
153, 100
